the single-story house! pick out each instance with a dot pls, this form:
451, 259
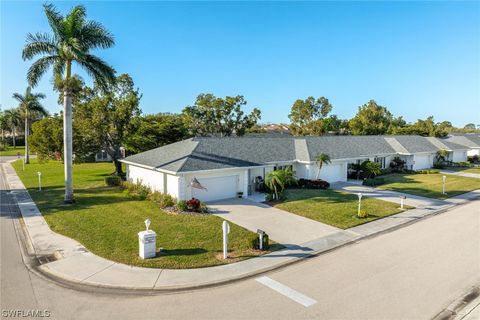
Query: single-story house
232, 165
469, 140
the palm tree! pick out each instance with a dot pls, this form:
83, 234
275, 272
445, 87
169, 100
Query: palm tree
3, 125
274, 181
14, 119
72, 40
320, 160
29, 103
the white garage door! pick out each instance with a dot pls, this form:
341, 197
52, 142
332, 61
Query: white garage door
333, 173
217, 188
422, 162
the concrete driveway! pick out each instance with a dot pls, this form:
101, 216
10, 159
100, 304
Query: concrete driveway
281, 226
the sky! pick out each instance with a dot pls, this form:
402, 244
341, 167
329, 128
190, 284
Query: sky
416, 58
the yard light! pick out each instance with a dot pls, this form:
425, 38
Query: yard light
147, 224
402, 200
261, 234
39, 181
226, 231
359, 202
444, 179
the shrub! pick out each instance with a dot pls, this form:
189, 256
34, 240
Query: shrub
182, 205
362, 214
113, 181
313, 184
397, 164
193, 204
136, 190
428, 171
163, 200
473, 159
438, 165
463, 164
372, 182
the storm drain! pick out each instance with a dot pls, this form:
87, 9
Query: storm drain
47, 259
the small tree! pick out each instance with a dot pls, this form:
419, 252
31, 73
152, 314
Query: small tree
14, 120
441, 155
320, 160
274, 181
371, 168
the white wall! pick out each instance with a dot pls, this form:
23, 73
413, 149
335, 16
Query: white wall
173, 186
423, 161
459, 156
473, 152
150, 178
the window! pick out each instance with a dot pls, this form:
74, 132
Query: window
381, 161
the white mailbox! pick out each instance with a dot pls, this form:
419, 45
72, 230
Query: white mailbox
147, 241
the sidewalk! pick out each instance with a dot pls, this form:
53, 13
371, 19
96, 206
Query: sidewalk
71, 261
462, 174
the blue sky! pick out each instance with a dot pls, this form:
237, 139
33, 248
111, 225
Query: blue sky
416, 58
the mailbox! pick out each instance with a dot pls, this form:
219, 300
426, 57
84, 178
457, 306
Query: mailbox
147, 244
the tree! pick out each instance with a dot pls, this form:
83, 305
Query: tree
153, 131
371, 168
212, 116
72, 39
106, 115
47, 137
470, 126
427, 128
306, 116
14, 120
371, 119
3, 125
320, 160
29, 104
441, 156
274, 181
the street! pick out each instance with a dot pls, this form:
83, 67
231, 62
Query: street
410, 273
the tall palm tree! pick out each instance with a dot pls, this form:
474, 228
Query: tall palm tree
320, 160
3, 125
14, 120
29, 103
72, 40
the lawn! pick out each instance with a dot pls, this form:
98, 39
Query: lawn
106, 220
460, 169
429, 185
335, 208
11, 151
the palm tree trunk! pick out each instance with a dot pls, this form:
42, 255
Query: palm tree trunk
67, 146
27, 130
14, 142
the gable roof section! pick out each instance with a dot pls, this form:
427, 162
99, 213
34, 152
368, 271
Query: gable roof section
348, 147
396, 145
416, 144
470, 141
446, 144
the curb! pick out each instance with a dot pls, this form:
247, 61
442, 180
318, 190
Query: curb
463, 305
33, 263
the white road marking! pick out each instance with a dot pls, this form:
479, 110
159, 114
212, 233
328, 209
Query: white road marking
286, 291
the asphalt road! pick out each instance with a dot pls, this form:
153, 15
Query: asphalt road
411, 273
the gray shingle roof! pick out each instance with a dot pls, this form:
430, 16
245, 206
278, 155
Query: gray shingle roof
198, 154
467, 140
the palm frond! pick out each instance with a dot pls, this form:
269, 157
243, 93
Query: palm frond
39, 67
20, 98
99, 70
38, 43
95, 35
55, 19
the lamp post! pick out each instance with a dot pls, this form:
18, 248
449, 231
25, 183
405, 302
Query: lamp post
402, 200
39, 181
359, 202
444, 179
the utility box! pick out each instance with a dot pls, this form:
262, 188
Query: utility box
147, 244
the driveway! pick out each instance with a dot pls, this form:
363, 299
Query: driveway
387, 195
281, 226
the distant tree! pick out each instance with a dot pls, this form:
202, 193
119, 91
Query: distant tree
427, 128
470, 126
306, 116
212, 116
371, 119
107, 116
29, 104
3, 125
320, 160
14, 120
256, 129
72, 40
153, 131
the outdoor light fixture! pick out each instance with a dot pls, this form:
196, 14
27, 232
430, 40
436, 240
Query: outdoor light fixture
39, 181
444, 179
147, 224
226, 231
402, 199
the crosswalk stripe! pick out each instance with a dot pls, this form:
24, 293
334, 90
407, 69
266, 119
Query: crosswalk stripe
286, 291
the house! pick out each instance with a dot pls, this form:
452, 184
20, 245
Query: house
232, 165
469, 140
103, 156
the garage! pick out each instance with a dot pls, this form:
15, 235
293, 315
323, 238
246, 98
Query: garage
217, 188
333, 172
422, 162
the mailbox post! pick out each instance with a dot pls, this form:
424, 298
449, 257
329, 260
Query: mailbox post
261, 234
39, 181
444, 179
147, 242
226, 231
359, 203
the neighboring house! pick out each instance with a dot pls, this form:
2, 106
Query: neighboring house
469, 140
228, 166
103, 156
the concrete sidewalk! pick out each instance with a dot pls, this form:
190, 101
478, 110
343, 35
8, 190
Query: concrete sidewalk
69, 261
461, 174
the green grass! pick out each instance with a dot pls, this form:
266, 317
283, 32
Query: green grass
430, 185
10, 151
106, 220
460, 169
335, 208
